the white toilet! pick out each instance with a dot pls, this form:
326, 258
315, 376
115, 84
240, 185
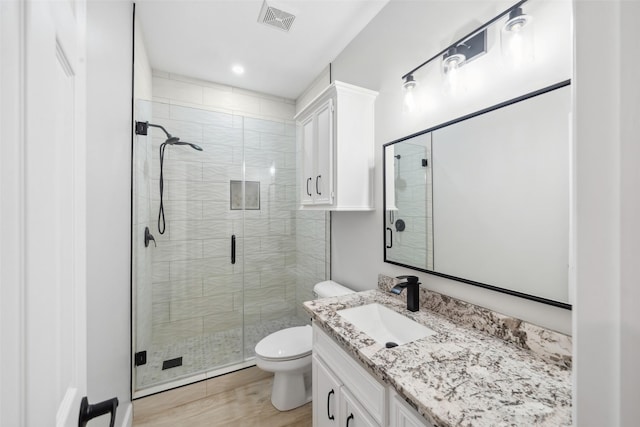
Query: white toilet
287, 353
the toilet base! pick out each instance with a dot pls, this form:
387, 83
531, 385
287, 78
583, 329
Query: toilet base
289, 391
291, 381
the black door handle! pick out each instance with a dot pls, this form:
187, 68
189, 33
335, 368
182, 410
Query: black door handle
317, 189
329, 415
349, 418
390, 245
308, 181
233, 249
89, 412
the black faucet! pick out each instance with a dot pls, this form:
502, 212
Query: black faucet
413, 291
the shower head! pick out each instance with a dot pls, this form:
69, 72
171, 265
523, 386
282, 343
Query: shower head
194, 146
174, 140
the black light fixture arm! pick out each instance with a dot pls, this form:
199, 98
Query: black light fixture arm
463, 39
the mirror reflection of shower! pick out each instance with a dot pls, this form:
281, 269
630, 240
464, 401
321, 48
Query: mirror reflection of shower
141, 129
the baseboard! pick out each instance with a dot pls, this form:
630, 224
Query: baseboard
128, 416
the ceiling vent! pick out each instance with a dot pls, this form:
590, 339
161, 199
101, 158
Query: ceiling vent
275, 17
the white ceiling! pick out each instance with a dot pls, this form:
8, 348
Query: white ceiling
205, 38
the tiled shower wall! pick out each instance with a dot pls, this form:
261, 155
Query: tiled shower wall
414, 245
196, 289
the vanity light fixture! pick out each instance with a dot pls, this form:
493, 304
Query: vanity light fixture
516, 38
452, 60
517, 20
409, 100
470, 46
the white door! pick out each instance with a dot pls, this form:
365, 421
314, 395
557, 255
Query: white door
43, 196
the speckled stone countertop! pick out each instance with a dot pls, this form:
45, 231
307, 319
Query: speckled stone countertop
459, 376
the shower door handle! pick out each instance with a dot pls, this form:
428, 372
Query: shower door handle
390, 245
233, 249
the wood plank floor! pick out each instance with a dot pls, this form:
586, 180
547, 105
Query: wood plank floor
248, 404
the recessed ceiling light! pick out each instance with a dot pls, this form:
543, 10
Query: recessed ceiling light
238, 69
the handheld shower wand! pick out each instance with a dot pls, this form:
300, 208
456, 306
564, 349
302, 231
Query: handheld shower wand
141, 129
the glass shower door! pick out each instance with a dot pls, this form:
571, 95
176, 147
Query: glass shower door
188, 291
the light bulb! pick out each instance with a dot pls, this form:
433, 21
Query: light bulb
409, 104
451, 63
517, 38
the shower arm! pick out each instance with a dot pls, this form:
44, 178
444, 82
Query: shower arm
141, 128
158, 126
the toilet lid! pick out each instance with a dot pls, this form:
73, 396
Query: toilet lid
290, 343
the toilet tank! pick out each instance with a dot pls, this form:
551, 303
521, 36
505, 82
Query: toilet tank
329, 288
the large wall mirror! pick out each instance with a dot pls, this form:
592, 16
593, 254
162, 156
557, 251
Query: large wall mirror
485, 199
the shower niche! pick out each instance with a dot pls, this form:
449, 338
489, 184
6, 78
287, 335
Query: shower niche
233, 257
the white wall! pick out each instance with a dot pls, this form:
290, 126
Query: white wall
606, 316
143, 84
109, 63
400, 37
630, 214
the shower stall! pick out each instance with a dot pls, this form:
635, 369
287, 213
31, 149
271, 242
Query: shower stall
409, 209
221, 255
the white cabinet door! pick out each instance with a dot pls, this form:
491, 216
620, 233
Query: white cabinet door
317, 156
308, 160
326, 396
402, 415
352, 413
323, 179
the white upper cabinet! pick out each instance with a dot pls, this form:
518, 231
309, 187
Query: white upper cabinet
337, 149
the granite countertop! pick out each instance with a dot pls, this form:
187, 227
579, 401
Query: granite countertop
459, 376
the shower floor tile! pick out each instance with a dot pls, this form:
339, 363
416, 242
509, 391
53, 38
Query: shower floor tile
206, 352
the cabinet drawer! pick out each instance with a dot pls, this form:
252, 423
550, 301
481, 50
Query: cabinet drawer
370, 393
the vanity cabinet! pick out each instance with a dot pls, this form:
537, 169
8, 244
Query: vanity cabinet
345, 394
337, 149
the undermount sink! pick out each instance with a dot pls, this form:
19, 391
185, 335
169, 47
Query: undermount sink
384, 325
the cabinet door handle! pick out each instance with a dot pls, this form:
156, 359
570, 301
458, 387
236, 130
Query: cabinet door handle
390, 245
329, 415
349, 418
308, 192
317, 189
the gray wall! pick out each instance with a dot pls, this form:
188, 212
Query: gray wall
403, 35
109, 39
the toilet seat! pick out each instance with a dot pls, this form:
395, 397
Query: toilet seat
286, 344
